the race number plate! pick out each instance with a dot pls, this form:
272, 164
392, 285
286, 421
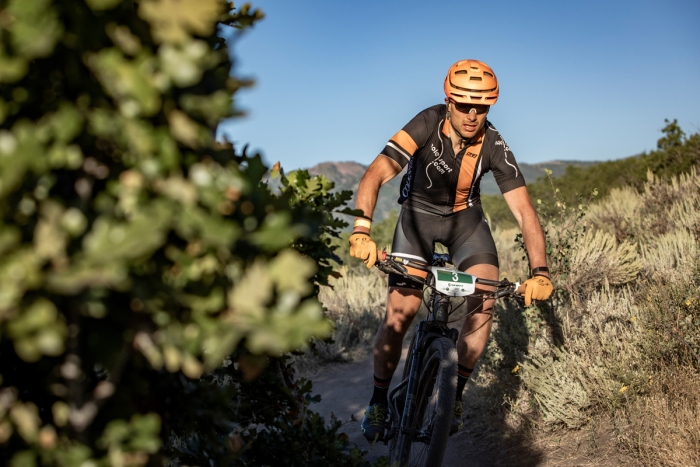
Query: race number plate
454, 283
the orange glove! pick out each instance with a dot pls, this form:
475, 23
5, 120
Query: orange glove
361, 246
537, 288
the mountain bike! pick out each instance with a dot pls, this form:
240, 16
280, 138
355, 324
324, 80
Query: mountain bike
421, 404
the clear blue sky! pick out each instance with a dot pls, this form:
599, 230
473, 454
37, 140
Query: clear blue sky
580, 80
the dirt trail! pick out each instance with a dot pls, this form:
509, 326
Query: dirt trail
345, 391
346, 388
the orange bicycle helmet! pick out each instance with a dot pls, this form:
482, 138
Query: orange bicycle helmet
471, 82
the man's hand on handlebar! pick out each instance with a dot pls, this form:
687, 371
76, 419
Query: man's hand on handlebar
362, 247
537, 288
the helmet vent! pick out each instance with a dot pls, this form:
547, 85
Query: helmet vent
461, 72
486, 73
474, 78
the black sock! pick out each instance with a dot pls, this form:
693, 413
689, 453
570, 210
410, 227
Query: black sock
463, 374
381, 391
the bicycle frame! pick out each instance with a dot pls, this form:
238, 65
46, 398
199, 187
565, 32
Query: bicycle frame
435, 325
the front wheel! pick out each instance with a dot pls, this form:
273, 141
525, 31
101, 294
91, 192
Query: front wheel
425, 442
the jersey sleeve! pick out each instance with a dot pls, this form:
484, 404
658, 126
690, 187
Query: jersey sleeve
404, 144
505, 170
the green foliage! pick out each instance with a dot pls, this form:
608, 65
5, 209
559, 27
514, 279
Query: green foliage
271, 424
314, 199
498, 212
675, 155
673, 316
136, 253
562, 230
674, 136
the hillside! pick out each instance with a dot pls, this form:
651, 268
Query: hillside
347, 175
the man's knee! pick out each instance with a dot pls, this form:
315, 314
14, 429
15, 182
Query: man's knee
402, 307
398, 321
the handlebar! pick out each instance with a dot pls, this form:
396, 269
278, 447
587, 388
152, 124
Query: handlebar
394, 264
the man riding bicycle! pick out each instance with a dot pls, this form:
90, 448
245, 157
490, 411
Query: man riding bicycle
448, 148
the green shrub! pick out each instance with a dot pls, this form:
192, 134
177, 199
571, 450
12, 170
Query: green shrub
137, 254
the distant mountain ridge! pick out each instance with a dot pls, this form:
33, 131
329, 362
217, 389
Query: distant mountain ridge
347, 175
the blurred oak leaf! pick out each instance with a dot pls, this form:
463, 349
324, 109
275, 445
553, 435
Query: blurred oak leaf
282, 332
9, 237
122, 37
12, 68
49, 238
178, 189
291, 271
82, 275
109, 240
191, 367
35, 27
184, 129
183, 64
64, 124
173, 21
140, 433
26, 418
277, 232
19, 271
211, 108
38, 330
252, 293
132, 83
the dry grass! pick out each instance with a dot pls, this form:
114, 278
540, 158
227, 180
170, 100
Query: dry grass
622, 346
663, 427
510, 256
355, 303
630, 352
631, 323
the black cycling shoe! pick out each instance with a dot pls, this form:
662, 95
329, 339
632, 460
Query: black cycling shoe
374, 423
457, 417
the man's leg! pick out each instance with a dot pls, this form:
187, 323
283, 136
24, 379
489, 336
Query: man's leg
473, 337
402, 306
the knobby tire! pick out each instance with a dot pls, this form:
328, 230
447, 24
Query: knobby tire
433, 409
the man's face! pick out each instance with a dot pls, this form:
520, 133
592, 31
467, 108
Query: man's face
467, 119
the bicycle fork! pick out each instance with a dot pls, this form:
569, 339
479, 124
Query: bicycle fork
406, 423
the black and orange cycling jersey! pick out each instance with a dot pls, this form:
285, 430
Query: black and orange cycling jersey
439, 182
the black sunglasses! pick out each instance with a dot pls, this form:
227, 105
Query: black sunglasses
467, 108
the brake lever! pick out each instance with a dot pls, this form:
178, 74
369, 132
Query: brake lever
389, 266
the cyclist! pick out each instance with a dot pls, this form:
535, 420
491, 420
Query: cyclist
447, 148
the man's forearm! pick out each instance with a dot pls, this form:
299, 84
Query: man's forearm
378, 173
520, 205
367, 193
534, 241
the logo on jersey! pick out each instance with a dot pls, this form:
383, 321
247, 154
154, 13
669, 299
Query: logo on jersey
500, 142
506, 150
438, 163
472, 155
406, 189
